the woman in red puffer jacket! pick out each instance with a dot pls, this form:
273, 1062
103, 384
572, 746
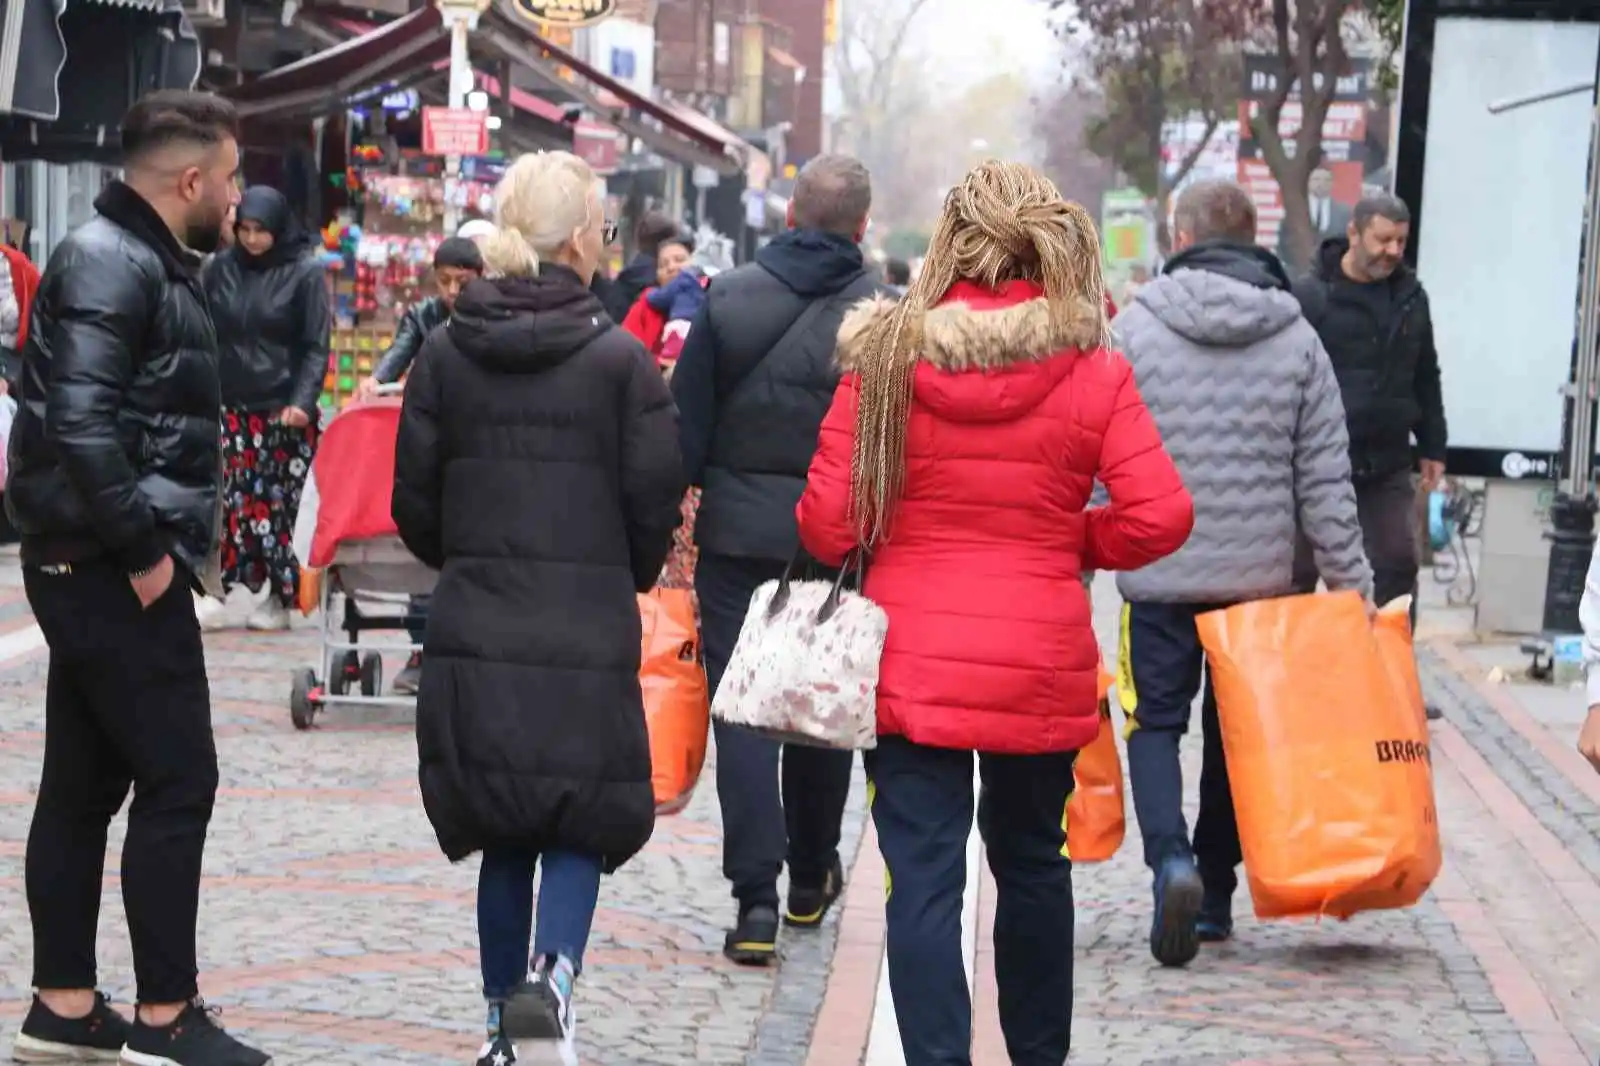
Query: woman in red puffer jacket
961, 448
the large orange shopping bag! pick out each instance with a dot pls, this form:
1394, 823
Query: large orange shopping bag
1327, 748
677, 706
1096, 822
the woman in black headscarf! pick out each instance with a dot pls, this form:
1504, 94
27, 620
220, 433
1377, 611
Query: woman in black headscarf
269, 300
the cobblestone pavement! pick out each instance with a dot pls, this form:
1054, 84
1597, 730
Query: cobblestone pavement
334, 933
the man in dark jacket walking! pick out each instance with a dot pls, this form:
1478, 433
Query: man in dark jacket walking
753, 383
1371, 312
115, 486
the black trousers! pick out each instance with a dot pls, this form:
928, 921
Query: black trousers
1160, 675
922, 807
127, 704
1387, 509
763, 825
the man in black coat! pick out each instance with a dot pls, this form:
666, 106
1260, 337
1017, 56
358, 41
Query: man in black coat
753, 383
1371, 312
115, 486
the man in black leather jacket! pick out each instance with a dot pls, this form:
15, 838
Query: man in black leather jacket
456, 262
114, 484
752, 386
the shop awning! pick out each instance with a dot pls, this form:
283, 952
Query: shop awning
673, 130
67, 76
390, 52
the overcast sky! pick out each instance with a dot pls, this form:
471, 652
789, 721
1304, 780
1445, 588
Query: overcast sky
970, 42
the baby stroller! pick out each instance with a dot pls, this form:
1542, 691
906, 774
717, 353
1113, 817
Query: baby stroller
354, 567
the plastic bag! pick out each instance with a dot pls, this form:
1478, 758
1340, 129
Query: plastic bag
1096, 822
677, 704
1327, 746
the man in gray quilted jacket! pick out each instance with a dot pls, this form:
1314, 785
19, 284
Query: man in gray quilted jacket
1249, 409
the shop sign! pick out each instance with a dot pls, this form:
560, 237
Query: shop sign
454, 131
566, 13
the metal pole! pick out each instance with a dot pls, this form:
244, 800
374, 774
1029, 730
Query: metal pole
1514, 102
461, 82
1580, 455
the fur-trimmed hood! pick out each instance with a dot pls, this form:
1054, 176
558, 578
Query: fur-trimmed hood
978, 329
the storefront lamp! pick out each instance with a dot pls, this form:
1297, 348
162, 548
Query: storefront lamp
477, 100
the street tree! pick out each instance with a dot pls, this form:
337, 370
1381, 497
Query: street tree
1153, 62
1063, 116
872, 59
1308, 36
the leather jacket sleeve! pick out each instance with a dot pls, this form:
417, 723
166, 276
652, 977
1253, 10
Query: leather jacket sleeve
408, 338
312, 369
99, 309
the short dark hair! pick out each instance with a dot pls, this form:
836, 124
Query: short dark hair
458, 252
1216, 210
897, 272
833, 194
176, 116
1379, 205
679, 236
653, 230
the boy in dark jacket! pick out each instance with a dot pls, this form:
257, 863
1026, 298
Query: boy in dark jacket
456, 262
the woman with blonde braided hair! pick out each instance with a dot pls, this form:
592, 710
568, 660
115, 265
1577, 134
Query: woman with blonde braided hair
959, 454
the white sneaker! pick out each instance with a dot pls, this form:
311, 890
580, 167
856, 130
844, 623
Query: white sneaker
211, 613
270, 617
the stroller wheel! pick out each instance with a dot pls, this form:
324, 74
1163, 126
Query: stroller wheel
304, 699
346, 672
371, 674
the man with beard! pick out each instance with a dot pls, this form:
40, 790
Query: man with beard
752, 386
1372, 315
114, 485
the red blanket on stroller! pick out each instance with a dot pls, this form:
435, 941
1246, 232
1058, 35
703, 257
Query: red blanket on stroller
352, 478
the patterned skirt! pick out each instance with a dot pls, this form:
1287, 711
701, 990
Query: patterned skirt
679, 571
265, 464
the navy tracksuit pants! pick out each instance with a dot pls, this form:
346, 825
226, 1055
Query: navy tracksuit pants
1159, 672
922, 808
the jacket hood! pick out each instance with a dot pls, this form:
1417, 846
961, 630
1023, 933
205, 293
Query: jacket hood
525, 325
811, 262
1222, 295
984, 355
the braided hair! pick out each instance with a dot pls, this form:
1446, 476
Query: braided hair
1003, 222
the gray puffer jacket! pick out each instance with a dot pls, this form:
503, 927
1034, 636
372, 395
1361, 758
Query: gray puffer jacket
1249, 409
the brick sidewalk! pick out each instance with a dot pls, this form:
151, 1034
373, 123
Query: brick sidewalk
334, 933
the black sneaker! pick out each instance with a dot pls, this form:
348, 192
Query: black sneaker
808, 904
1434, 712
498, 1051
194, 1039
754, 941
47, 1037
409, 679
540, 1009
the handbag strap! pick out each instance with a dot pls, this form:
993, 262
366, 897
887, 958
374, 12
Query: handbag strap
830, 605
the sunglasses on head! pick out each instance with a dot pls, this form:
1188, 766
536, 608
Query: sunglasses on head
608, 232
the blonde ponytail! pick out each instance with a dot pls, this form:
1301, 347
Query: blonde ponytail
541, 203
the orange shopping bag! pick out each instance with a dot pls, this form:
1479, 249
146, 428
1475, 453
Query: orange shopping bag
677, 706
1095, 819
1327, 748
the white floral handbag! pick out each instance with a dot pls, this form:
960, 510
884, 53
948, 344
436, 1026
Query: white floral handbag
805, 667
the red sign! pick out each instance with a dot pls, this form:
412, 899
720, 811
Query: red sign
454, 131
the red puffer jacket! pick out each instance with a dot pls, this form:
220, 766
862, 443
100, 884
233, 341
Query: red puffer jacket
991, 646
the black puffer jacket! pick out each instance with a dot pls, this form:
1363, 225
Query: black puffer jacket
537, 468
1383, 354
754, 382
115, 449
271, 313
419, 320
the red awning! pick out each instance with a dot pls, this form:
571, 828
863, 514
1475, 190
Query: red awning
390, 52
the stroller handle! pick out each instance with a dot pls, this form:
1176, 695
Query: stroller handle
392, 388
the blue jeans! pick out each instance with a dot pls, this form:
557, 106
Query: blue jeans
568, 891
